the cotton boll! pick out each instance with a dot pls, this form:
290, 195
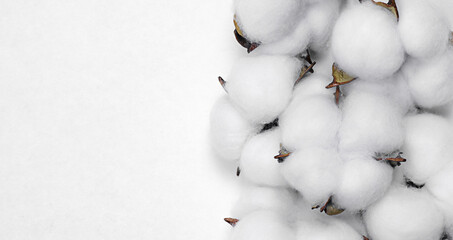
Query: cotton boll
326, 230
312, 85
393, 88
311, 121
431, 82
262, 86
441, 188
257, 161
371, 123
262, 225
264, 198
364, 180
314, 172
423, 31
292, 44
404, 214
321, 16
427, 146
365, 42
229, 130
267, 20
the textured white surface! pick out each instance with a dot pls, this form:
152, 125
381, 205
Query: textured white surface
104, 113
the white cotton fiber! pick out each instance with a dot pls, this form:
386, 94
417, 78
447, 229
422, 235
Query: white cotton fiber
441, 187
363, 181
263, 225
310, 121
431, 81
257, 161
292, 44
371, 123
262, 86
254, 198
365, 42
327, 229
228, 130
393, 88
321, 16
428, 146
423, 31
404, 214
266, 21
314, 172
313, 85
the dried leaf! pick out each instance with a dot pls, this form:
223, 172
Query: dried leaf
391, 6
305, 70
340, 77
240, 38
231, 221
330, 209
223, 83
282, 154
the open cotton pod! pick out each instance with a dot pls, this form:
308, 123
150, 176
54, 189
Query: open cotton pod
261, 86
428, 146
267, 21
430, 81
404, 213
314, 172
423, 31
263, 225
326, 229
257, 161
363, 181
228, 129
310, 121
254, 198
366, 43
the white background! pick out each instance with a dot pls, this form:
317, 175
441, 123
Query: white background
104, 114
104, 108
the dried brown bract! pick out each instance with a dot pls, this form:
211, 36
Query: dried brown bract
340, 77
231, 221
391, 6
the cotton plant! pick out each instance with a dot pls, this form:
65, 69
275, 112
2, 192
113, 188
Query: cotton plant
337, 121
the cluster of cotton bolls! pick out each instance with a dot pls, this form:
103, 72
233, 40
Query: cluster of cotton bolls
338, 120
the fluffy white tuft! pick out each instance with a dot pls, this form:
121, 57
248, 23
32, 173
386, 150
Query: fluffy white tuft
423, 31
310, 121
314, 172
228, 130
441, 188
294, 43
262, 86
267, 20
321, 16
264, 198
326, 230
404, 214
364, 180
365, 42
257, 161
371, 123
431, 81
262, 225
427, 147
